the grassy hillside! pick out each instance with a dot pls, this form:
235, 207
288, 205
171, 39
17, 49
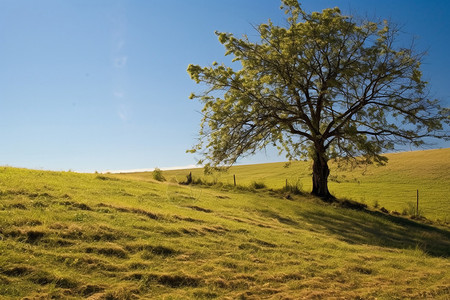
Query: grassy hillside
87, 236
393, 186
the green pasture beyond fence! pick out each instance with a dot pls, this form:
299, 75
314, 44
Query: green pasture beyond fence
394, 186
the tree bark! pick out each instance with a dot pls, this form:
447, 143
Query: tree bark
320, 175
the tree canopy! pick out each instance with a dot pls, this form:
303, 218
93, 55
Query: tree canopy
324, 86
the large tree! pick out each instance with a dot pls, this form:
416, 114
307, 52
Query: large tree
325, 86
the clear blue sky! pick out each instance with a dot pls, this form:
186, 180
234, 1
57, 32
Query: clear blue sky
102, 85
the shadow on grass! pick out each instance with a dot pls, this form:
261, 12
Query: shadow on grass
379, 229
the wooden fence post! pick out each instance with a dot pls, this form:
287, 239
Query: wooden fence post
234, 178
417, 206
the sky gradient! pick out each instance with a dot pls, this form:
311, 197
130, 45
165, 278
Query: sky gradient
102, 85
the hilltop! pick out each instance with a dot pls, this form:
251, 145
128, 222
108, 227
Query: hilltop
65, 235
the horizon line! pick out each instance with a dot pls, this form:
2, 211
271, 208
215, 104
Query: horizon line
151, 169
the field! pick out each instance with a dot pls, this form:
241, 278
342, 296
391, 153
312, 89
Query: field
393, 186
65, 235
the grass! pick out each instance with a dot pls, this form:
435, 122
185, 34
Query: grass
65, 235
393, 186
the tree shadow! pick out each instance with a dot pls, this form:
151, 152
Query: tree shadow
379, 229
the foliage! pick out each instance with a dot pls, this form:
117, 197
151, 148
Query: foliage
324, 86
295, 188
411, 210
158, 175
191, 180
376, 204
257, 185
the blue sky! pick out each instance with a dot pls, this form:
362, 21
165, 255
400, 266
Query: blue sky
102, 85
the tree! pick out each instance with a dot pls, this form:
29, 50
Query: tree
324, 86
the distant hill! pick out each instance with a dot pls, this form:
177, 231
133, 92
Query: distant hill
393, 186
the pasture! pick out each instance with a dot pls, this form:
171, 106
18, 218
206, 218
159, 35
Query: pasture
393, 186
65, 235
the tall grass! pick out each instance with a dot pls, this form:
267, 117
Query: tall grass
76, 236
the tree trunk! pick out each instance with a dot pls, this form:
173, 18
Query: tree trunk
320, 175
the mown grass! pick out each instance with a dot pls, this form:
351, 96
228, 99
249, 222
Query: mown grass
85, 236
393, 186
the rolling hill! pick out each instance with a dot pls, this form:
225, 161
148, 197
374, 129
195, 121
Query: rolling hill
65, 235
393, 186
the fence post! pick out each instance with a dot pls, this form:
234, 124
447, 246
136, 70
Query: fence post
417, 206
234, 178
189, 178
286, 184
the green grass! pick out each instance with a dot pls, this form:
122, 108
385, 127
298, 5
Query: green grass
393, 186
65, 235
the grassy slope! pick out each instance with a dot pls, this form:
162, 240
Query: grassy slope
392, 186
76, 236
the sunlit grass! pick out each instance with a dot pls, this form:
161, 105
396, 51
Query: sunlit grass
73, 236
393, 186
